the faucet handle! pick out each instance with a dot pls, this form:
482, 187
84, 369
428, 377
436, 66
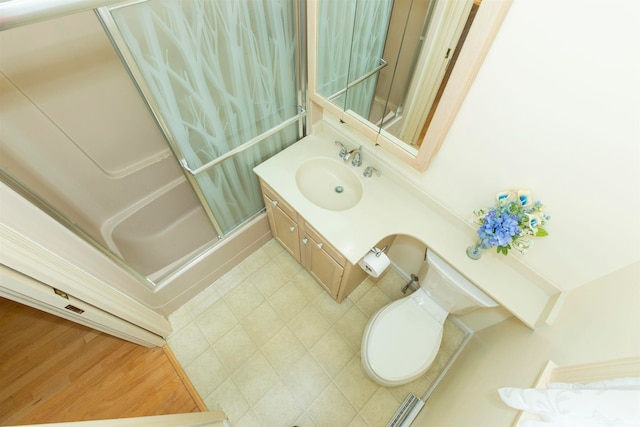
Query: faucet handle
357, 156
369, 170
343, 150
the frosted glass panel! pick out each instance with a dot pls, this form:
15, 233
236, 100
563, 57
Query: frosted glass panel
221, 72
232, 187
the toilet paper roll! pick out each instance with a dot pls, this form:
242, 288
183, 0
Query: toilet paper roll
374, 264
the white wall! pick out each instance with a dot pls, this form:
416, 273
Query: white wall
555, 108
599, 321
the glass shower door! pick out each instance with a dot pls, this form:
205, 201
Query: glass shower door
223, 80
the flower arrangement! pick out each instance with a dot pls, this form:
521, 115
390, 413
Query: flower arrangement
509, 223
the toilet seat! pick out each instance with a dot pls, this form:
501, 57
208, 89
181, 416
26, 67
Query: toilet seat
402, 340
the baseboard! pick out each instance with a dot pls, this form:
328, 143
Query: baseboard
185, 380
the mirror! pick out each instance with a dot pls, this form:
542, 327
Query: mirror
333, 53
352, 38
384, 66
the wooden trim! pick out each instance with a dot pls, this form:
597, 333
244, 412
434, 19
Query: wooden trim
590, 372
185, 380
447, 75
483, 31
25, 290
433, 68
193, 419
583, 373
545, 375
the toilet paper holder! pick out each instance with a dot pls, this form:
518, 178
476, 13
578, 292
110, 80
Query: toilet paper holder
375, 262
377, 251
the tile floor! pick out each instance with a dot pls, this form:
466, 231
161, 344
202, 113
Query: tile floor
268, 346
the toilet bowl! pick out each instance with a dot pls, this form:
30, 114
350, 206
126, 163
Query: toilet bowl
402, 339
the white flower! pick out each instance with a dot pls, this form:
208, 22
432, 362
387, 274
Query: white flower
535, 220
525, 197
506, 196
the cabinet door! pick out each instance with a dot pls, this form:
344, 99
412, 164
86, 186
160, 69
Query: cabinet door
321, 265
286, 232
283, 228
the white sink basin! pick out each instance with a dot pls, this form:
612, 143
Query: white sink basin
329, 184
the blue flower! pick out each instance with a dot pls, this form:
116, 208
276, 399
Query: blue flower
498, 229
509, 223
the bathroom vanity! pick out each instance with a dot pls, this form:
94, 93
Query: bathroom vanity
328, 233
321, 259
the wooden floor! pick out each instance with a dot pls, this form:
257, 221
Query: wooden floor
54, 370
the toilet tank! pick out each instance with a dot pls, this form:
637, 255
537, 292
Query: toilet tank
451, 289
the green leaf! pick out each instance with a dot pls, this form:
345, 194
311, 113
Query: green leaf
541, 232
504, 250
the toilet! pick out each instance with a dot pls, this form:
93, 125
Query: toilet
402, 339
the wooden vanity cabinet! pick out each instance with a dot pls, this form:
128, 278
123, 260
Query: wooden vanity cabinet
323, 261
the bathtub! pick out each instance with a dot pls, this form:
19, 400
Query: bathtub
159, 233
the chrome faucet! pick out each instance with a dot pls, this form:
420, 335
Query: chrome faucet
357, 157
369, 170
344, 153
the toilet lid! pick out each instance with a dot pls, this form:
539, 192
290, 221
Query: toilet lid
403, 341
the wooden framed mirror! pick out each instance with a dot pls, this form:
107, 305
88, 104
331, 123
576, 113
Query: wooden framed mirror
334, 74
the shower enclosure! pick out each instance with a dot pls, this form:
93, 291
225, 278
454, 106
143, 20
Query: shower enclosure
224, 82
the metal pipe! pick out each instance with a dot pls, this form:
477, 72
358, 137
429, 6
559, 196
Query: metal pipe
383, 64
410, 284
15, 13
253, 141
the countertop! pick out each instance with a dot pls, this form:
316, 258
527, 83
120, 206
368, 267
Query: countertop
392, 206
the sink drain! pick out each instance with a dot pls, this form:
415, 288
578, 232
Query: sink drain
339, 189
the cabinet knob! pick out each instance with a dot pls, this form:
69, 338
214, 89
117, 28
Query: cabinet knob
292, 228
319, 245
305, 240
274, 202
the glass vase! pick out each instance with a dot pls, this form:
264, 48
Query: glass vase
475, 251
